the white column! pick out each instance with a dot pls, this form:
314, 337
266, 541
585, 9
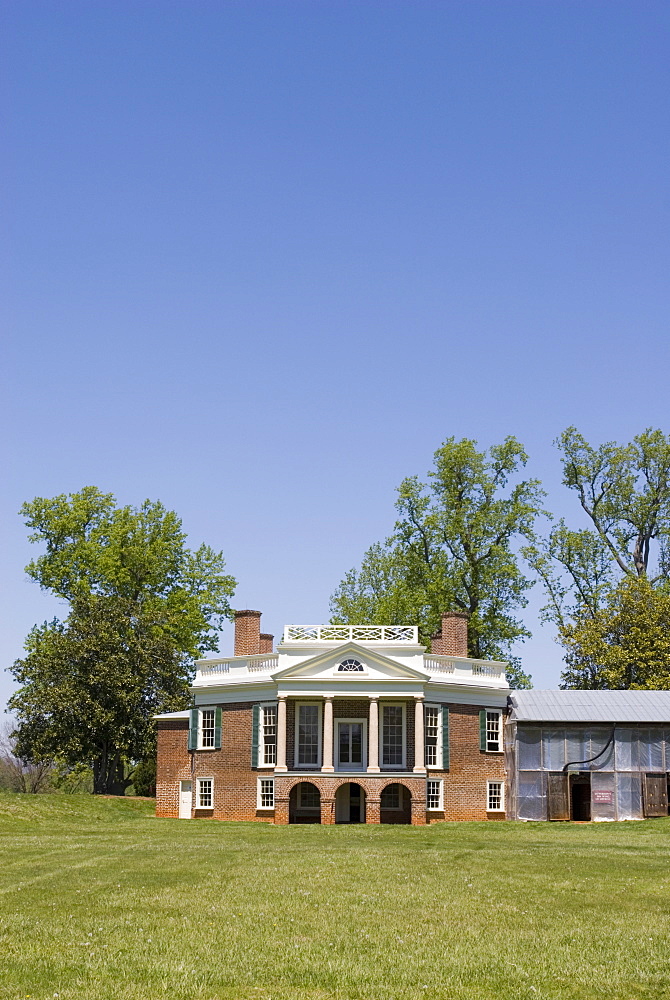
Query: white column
328, 734
281, 733
419, 758
373, 739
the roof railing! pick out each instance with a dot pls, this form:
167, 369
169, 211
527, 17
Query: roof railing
351, 633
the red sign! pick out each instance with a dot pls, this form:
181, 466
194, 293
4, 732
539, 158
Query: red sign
603, 797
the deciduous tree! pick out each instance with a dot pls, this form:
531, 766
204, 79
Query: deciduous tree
625, 643
142, 605
624, 493
453, 547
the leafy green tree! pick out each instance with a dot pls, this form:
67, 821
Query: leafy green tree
624, 491
142, 606
623, 644
144, 777
453, 547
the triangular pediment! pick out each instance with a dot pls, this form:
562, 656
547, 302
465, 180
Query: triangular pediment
375, 666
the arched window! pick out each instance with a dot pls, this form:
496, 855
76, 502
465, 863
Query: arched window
347, 666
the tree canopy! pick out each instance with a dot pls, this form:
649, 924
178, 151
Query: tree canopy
624, 495
453, 547
625, 643
142, 606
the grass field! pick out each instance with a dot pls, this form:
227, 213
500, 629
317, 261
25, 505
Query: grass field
100, 900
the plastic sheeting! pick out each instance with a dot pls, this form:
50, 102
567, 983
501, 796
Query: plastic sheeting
629, 796
529, 743
603, 795
531, 795
616, 776
644, 749
553, 749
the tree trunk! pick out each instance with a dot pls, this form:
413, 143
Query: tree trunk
108, 774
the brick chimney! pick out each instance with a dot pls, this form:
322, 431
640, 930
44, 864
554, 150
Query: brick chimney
266, 642
452, 639
247, 633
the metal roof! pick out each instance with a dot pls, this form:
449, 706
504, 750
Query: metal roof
174, 715
590, 706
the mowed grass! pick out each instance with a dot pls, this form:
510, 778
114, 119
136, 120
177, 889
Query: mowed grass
100, 900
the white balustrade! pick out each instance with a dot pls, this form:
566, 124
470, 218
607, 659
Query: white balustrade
351, 633
464, 666
238, 664
439, 665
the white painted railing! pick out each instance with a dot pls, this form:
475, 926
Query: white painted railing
237, 664
494, 669
439, 664
351, 633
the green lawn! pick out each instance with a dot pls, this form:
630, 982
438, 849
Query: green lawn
100, 900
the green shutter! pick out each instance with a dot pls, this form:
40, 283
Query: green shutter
445, 738
193, 730
217, 727
255, 730
482, 729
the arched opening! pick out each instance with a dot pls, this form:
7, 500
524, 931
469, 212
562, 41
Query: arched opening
350, 803
304, 804
396, 804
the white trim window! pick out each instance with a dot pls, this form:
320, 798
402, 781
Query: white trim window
493, 731
205, 797
432, 734
495, 796
392, 798
434, 800
268, 735
265, 793
207, 735
308, 734
392, 735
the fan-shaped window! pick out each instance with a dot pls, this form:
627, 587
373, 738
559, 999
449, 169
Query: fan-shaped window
347, 666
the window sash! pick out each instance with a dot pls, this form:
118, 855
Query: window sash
393, 736
495, 796
266, 793
205, 793
391, 797
434, 794
492, 731
432, 731
309, 797
308, 736
269, 734
207, 729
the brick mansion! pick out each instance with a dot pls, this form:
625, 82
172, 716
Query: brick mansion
361, 724
341, 724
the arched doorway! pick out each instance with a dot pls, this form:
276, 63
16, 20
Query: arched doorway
304, 804
350, 803
396, 804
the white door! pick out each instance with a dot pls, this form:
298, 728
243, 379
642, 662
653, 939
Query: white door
351, 744
185, 799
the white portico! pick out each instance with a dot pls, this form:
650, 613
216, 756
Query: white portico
314, 667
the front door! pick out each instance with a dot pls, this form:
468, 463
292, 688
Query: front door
350, 749
185, 799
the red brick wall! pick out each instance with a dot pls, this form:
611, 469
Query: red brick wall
469, 769
235, 781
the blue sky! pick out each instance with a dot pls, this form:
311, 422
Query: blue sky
260, 259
